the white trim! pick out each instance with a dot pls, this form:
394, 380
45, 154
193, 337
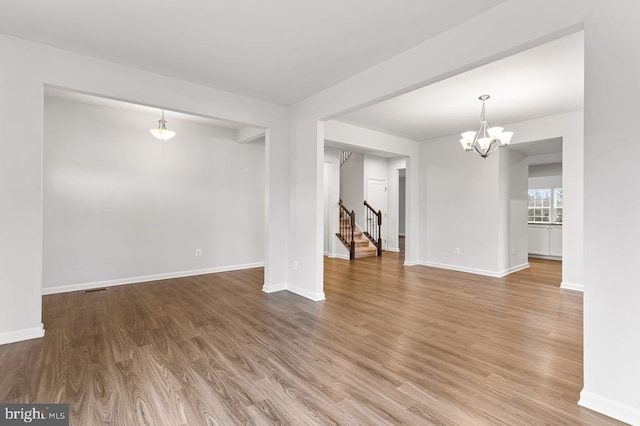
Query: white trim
493, 274
20, 335
412, 262
272, 288
514, 269
338, 256
393, 249
609, 407
571, 286
316, 297
146, 278
540, 256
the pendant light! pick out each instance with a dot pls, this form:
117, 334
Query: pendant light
161, 132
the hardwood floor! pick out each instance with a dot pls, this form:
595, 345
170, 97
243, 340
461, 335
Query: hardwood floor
391, 345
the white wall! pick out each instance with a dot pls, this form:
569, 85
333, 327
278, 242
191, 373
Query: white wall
375, 167
120, 205
351, 188
24, 70
333, 246
611, 231
513, 238
460, 209
401, 207
541, 170
395, 201
545, 182
545, 176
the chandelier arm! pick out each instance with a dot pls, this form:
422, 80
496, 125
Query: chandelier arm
493, 147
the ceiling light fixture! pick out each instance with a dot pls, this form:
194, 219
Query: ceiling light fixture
161, 132
486, 140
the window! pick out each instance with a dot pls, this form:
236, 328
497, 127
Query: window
545, 205
557, 203
539, 205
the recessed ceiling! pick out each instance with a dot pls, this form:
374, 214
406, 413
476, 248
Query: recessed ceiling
281, 51
543, 81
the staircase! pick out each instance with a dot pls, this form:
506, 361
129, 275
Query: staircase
357, 242
364, 247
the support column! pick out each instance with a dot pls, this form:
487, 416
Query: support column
21, 111
277, 211
307, 220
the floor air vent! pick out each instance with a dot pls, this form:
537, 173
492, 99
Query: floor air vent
93, 290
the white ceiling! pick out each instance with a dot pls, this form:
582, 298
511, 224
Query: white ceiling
543, 81
281, 51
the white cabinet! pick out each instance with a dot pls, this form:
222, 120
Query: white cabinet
555, 240
545, 240
539, 239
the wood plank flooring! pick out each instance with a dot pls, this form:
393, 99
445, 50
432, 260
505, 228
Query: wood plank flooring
391, 345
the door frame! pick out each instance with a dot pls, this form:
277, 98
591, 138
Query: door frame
385, 211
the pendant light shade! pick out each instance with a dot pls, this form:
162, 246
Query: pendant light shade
161, 132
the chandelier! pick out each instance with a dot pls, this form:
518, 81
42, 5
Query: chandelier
161, 132
486, 140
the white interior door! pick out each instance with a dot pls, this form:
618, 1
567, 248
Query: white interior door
377, 198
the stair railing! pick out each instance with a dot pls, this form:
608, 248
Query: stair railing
347, 228
344, 156
374, 226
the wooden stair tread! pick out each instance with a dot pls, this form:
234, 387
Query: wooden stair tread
366, 252
363, 246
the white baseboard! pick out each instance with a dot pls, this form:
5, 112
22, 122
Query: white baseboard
337, 256
485, 272
20, 335
393, 249
412, 262
514, 269
543, 256
571, 286
147, 278
272, 288
316, 297
609, 407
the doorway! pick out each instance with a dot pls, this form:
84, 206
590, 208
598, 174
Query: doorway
377, 198
402, 193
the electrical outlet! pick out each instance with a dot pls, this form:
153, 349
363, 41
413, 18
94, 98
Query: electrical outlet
198, 252
456, 251
295, 265
513, 252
